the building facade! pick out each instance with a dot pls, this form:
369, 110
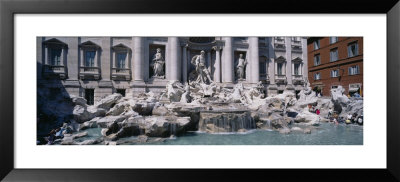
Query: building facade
334, 61
93, 67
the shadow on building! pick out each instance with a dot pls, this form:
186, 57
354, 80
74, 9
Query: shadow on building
54, 106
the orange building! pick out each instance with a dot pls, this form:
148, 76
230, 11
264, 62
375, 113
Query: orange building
334, 61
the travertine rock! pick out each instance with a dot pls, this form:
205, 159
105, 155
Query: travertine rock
82, 113
107, 102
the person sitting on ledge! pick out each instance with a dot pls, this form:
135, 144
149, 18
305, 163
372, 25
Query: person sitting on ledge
52, 137
59, 133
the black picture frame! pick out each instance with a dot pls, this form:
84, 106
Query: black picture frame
9, 8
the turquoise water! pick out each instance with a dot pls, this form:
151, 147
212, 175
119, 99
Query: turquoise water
325, 134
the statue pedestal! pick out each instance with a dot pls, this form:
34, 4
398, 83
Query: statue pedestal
157, 84
158, 81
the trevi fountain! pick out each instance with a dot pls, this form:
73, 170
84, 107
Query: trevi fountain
201, 112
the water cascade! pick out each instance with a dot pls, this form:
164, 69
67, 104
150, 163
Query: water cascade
222, 121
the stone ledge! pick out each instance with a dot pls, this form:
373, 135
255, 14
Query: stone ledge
105, 84
72, 83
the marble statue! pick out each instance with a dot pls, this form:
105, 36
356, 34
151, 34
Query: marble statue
203, 75
186, 98
240, 68
158, 64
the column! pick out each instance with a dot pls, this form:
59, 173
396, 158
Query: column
227, 62
175, 61
188, 63
217, 71
254, 60
288, 42
271, 67
104, 60
113, 59
46, 55
138, 59
82, 57
62, 56
184, 64
209, 61
304, 58
40, 48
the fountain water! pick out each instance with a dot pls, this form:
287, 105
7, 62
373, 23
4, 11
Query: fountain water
226, 121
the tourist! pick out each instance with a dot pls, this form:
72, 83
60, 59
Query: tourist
341, 120
309, 108
317, 111
51, 138
348, 119
360, 120
353, 118
330, 112
59, 132
335, 121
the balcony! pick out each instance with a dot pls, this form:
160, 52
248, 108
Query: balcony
297, 79
280, 47
296, 43
279, 40
279, 44
280, 78
89, 73
121, 74
51, 71
297, 49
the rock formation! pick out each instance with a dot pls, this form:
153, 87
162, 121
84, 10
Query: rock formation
197, 106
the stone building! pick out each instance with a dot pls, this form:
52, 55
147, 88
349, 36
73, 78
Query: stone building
93, 67
334, 61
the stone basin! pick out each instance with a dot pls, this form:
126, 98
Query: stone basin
225, 111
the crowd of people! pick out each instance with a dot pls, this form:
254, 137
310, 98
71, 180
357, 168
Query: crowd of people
349, 119
333, 116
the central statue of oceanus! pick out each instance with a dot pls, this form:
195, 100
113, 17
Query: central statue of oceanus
202, 75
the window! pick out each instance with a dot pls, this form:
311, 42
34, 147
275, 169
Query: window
263, 67
317, 60
354, 70
280, 68
54, 51
55, 56
352, 49
296, 39
121, 58
89, 58
317, 76
121, 91
334, 73
316, 45
334, 55
296, 68
333, 40
89, 96
241, 38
